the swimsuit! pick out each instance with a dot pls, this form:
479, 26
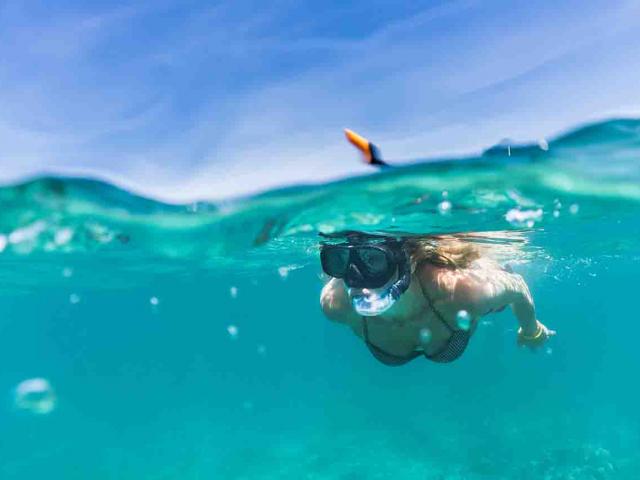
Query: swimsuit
452, 350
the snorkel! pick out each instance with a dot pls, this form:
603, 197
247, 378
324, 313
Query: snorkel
369, 303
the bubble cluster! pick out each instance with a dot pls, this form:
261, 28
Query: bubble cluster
463, 320
35, 395
522, 218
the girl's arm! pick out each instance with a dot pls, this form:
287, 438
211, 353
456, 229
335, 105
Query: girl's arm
484, 290
501, 288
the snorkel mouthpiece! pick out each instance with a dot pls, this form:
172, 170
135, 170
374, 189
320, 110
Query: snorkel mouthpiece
371, 303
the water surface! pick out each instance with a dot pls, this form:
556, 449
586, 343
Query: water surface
186, 341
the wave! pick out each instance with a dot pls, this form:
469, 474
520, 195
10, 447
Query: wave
595, 166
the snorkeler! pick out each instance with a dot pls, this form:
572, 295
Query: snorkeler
408, 297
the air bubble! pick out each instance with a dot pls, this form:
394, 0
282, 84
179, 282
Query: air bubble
444, 207
3, 242
67, 272
284, 270
232, 330
463, 319
520, 218
573, 209
35, 395
154, 301
262, 350
556, 213
233, 291
74, 299
63, 236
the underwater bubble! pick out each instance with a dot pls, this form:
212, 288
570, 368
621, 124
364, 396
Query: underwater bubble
262, 350
247, 405
573, 209
232, 330
67, 272
35, 395
425, 336
154, 301
63, 236
3, 242
74, 298
445, 194
444, 207
548, 350
556, 213
233, 291
463, 319
519, 218
283, 272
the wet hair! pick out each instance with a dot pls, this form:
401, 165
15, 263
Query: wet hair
446, 252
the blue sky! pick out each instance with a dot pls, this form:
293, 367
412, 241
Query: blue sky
190, 99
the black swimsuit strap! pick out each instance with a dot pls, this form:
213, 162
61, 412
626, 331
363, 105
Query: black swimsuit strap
437, 313
452, 349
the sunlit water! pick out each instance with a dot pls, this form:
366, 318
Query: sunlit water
186, 342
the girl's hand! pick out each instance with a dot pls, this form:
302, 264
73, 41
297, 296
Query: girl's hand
536, 340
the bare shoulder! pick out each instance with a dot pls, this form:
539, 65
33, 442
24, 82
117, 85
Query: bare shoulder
463, 286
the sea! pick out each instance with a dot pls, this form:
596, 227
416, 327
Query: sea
141, 340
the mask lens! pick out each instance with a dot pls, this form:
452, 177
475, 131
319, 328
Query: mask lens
376, 265
374, 260
335, 261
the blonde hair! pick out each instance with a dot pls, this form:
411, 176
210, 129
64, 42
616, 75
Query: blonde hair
447, 252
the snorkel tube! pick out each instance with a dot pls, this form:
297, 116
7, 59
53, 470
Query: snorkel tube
370, 152
372, 303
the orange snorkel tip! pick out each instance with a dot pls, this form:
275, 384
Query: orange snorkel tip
369, 151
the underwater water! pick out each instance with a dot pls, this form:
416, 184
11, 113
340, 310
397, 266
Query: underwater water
140, 340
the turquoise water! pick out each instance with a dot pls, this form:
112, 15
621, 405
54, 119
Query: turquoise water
186, 342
